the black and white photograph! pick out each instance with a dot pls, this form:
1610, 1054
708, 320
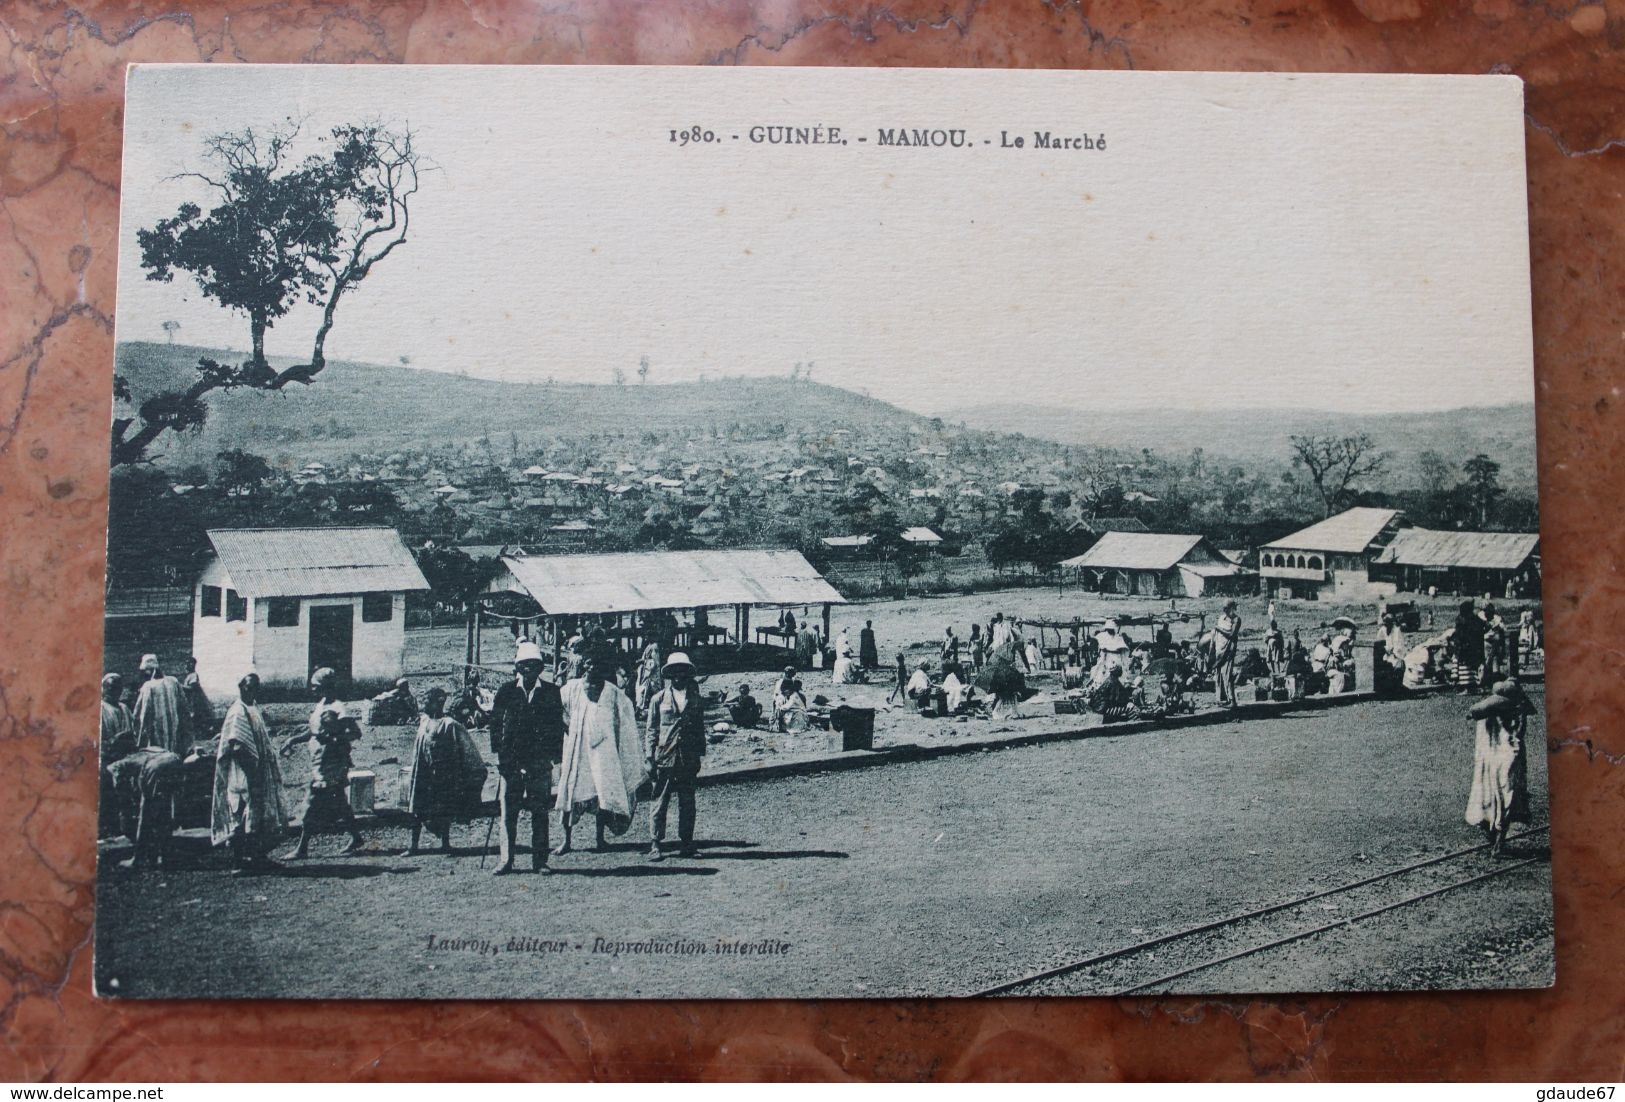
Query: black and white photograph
584, 532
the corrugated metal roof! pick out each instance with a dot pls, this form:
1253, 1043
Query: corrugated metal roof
1475, 550
316, 562
921, 535
636, 581
1349, 532
1136, 551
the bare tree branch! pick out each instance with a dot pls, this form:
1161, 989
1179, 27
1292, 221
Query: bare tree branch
1336, 463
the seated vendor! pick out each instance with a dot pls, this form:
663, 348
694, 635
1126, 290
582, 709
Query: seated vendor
394, 706
788, 699
924, 692
744, 709
1113, 699
1253, 666
959, 693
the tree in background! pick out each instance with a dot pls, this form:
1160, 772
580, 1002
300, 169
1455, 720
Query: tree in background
643, 369
169, 327
1337, 463
154, 535
284, 231
453, 575
240, 474
618, 377
1482, 487
1433, 471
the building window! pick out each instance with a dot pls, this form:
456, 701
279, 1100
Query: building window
282, 612
376, 608
1314, 562
209, 603
236, 607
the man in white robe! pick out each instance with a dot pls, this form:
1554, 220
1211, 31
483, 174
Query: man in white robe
604, 763
846, 670
249, 812
162, 718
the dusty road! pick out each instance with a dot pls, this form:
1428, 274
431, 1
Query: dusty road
935, 877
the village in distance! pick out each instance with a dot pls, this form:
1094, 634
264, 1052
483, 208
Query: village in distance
883, 501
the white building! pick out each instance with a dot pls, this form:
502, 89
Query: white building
1331, 560
282, 602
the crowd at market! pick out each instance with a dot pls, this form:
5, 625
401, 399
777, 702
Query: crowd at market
619, 731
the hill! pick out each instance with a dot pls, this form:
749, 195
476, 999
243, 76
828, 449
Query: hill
361, 407
1505, 433
371, 407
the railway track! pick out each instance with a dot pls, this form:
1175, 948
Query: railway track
1148, 966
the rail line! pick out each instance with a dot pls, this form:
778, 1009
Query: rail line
1124, 954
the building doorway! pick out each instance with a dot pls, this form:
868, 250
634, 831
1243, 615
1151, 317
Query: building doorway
332, 634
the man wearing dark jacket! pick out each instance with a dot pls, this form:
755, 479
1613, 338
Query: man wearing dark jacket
527, 737
676, 747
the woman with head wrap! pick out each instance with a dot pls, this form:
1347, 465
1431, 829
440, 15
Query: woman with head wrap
1500, 791
331, 732
447, 774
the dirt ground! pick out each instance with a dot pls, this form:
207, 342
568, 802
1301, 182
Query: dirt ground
922, 878
914, 626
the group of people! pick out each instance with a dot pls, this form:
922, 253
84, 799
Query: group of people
147, 729
587, 728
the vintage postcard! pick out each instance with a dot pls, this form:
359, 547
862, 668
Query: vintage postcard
714, 533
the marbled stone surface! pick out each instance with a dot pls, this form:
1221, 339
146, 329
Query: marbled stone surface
60, 109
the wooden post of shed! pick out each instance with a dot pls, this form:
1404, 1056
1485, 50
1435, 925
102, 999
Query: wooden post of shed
468, 641
479, 630
826, 623
744, 625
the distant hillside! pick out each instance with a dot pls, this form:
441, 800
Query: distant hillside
391, 408
1505, 433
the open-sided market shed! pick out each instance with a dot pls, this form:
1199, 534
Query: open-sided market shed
627, 584
1461, 562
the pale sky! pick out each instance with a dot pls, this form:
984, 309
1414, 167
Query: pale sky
1342, 243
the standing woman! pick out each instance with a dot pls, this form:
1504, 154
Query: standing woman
1500, 791
443, 777
868, 652
1004, 679
649, 664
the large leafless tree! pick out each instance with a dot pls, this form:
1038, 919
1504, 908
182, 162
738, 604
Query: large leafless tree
1337, 464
